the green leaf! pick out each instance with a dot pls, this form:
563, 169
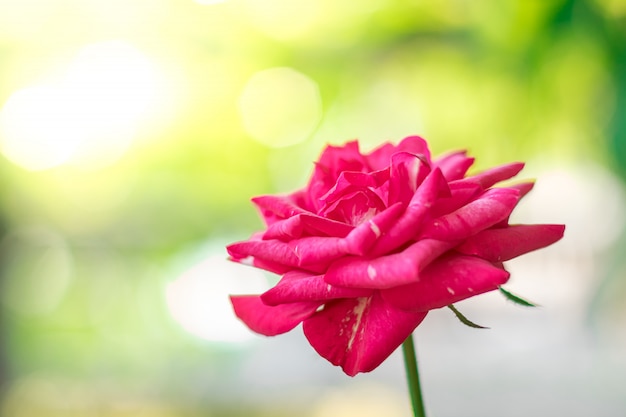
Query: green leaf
516, 299
464, 319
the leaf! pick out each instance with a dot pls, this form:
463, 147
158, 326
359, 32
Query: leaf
516, 299
464, 319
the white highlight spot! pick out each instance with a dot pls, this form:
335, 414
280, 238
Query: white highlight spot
374, 228
371, 272
450, 290
358, 312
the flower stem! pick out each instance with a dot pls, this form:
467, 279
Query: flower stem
412, 376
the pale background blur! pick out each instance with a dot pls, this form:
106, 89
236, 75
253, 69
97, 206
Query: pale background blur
134, 132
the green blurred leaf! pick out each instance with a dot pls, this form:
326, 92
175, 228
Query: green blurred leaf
464, 319
516, 299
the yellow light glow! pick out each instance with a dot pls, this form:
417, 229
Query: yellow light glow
208, 2
280, 107
198, 299
37, 130
89, 117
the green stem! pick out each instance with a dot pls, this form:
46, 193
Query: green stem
413, 378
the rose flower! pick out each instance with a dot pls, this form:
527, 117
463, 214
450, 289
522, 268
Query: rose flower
375, 241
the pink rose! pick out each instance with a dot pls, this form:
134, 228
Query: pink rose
375, 241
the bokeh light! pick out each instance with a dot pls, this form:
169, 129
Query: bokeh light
280, 107
89, 117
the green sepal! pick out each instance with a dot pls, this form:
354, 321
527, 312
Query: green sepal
516, 299
464, 319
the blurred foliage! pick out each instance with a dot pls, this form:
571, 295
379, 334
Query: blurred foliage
87, 251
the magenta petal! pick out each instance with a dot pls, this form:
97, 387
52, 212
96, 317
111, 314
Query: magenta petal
446, 281
454, 166
269, 250
523, 188
270, 320
298, 286
460, 194
310, 224
386, 271
276, 207
499, 245
356, 205
314, 250
415, 145
333, 161
490, 208
407, 173
380, 157
494, 175
359, 334
409, 223
361, 239
348, 181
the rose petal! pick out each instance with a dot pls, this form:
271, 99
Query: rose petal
415, 145
460, 195
409, 223
499, 245
493, 206
386, 271
298, 286
523, 188
407, 173
494, 175
354, 207
276, 207
454, 166
270, 320
361, 239
306, 224
268, 250
350, 181
333, 161
446, 281
380, 157
359, 334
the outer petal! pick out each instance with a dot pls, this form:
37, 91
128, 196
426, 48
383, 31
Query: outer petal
499, 245
359, 334
298, 286
460, 195
267, 320
305, 224
276, 207
454, 165
411, 221
523, 188
492, 207
494, 175
268, 250
446, 281
386, 271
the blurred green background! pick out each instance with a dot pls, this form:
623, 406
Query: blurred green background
134, 132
